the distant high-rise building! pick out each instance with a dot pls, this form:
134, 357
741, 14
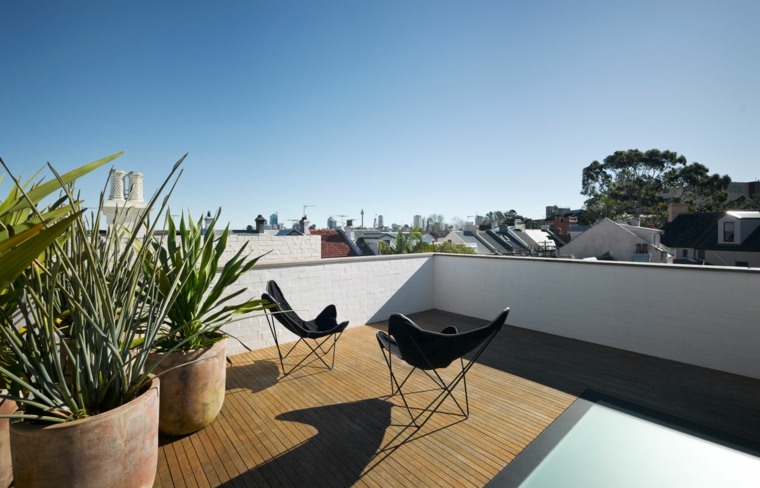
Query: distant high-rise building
417, 221
380, 221
273, 220
552, 210
332, 223
738, 189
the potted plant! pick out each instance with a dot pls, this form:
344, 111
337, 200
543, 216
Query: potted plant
78, 357
26, 230
191, 348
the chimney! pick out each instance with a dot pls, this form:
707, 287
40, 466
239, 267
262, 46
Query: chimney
260, 223
207, 221
304, 225
676, 209
135, 186
117, 185
124, 203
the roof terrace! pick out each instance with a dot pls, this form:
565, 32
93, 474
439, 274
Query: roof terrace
675, 339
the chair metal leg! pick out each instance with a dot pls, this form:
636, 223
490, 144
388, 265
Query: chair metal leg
446, 391
317, 351
273, 330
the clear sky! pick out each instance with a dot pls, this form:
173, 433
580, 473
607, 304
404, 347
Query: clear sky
395, 107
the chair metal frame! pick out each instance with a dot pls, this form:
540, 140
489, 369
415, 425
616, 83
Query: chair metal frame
389, 347
317, 350
304, 330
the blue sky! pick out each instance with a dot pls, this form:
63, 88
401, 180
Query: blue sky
395, 107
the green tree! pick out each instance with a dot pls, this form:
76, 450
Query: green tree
640, 184
746, 203
693, 184
454, 248
505, 218
412, 243
405, 243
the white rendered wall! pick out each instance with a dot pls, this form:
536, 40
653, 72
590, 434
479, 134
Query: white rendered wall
707, 316
364, 290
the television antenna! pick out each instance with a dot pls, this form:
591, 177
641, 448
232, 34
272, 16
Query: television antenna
304, 209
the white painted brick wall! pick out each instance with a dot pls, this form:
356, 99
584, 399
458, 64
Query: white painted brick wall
364, 290
707, 316
280, 249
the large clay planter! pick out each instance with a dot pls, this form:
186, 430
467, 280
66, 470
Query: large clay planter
192, 388
6, 467
118, 448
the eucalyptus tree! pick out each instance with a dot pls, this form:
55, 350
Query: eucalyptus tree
640, 184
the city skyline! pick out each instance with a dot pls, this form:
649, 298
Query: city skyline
396, 108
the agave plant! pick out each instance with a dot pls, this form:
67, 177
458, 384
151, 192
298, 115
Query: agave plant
202, 305
89, 318
26, 230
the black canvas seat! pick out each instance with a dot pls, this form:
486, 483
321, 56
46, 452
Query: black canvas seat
323, 331
430, 351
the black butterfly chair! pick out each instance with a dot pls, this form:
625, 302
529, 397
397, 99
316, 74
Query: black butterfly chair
429, 351
323, 328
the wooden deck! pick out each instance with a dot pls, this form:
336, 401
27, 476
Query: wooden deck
339, 428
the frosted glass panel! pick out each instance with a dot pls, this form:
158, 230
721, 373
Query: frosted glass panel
609, 448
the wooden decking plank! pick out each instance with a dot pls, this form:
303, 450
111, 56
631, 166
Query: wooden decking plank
301, 399
224, 471
174, 465
207, 456
193, 473
163, 474
336, 428
227, 434
253, 448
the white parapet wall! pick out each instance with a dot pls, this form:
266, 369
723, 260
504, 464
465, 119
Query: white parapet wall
364, 290
275, 249
706, 316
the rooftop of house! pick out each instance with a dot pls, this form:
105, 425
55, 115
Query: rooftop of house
744, 214
700, 231
688, 229
334, 244
472, 237
499, 242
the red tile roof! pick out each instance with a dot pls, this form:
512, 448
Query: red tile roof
333, 244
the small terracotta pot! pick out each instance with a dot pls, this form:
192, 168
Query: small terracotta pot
6, 467
192, 388
117, 448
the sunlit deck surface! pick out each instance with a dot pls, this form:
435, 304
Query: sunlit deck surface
339, 428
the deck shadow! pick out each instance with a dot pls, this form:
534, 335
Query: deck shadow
348, 437
255, 376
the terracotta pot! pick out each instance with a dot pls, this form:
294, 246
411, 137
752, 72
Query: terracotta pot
6, 467
118, 448
192, 388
